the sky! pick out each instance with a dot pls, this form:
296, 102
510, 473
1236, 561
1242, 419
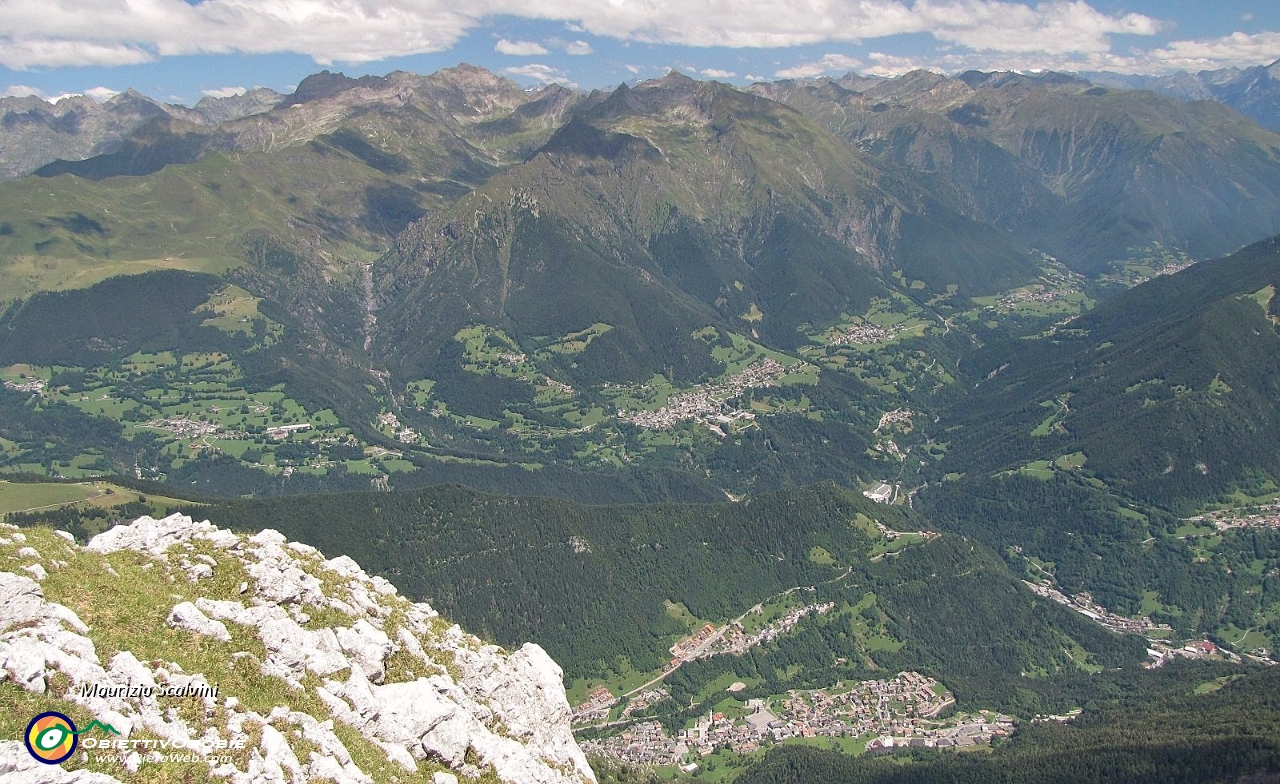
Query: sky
181, 50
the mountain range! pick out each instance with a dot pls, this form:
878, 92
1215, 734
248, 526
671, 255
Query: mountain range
661, 234
36, 132
967, 378
1080, 171
1252, 91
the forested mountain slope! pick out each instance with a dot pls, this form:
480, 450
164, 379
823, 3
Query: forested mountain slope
1169, 390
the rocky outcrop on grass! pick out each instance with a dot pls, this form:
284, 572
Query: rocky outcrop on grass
263, 661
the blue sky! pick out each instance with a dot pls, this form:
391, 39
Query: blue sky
179, 50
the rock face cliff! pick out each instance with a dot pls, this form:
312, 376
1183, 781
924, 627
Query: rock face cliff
255, 659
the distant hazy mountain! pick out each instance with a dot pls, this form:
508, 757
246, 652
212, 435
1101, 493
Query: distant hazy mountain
1254, 92
322, 104
1084, 172
333, 176
34, 132
233, 107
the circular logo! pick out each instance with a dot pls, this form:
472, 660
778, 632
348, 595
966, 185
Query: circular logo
51, 737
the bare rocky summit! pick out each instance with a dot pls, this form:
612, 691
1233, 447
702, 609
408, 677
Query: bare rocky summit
320, 671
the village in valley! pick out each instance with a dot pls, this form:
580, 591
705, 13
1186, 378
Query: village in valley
1264, 516
875, 715
708, 403
864, 334
907, 710
707, 641
1159, 649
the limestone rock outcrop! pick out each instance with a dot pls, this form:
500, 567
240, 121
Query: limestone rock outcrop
263, 662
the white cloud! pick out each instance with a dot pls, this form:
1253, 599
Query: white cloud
51, 33
828, 64
98, 94
224, 92
519, 48
891, 65
21, 91
37, 52
1049, 28
541, 73
1237, 49
716, 73
1054, 33
101, 94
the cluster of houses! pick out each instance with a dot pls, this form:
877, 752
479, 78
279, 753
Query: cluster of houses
895, 417
891, 535
734, 640
402, 433
184, 428
1158, 651
558, 386
596, 708
281, 432
1266, 517
1083, 603
33, 385
644, 699
864, 334
971, 731
646, 743
900, 706
1058, 283
706, 402
1036, 293
898, 712
706, 642
1168, 268
890, 447
690, 647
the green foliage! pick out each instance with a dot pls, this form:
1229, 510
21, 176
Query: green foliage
57, 433
590, 584
629, 248
485, 395
113, 319
1143, 375
1085, 175
506, 567
950, 609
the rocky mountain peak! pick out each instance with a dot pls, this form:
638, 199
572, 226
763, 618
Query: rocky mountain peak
233, 107
673, 78
473, 77
326, 84
262, 661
